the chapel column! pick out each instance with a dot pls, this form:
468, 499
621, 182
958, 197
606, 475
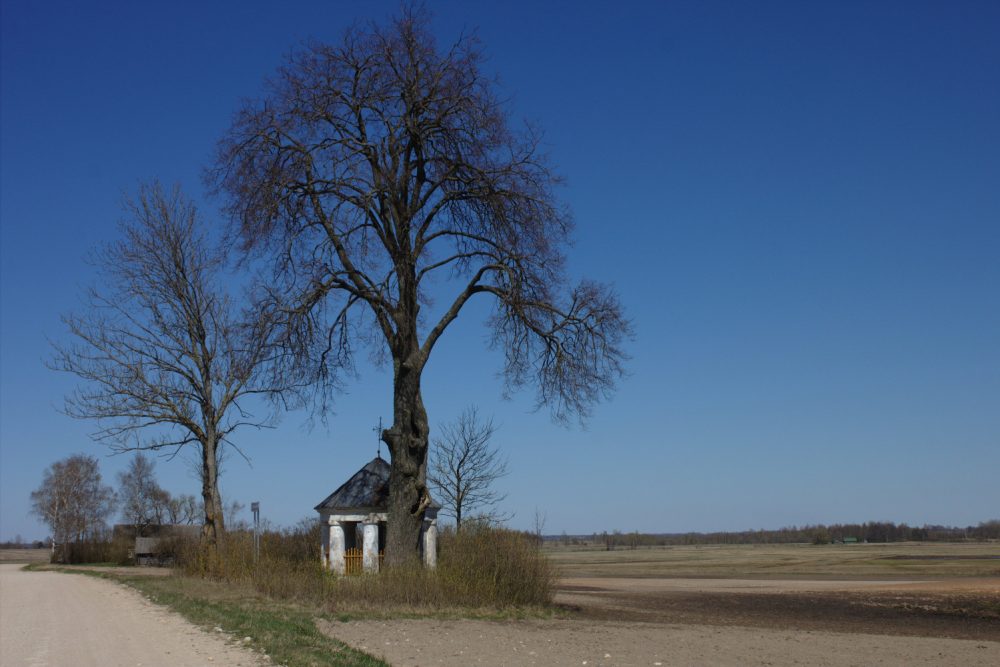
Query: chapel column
430, 543
370, 545
337, 563
324, 547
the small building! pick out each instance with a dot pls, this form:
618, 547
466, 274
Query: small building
353, 523
154, 544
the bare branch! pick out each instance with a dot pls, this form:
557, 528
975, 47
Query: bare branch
370, 169
72, 500
464, 467
162, 354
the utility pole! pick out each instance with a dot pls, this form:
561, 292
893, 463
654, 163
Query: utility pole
255, 508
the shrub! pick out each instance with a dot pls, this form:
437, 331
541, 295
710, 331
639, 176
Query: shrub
93, 551
483, 565
480, 567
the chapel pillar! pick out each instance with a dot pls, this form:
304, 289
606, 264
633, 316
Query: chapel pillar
337, 563
370, 545
324, 547
430, 543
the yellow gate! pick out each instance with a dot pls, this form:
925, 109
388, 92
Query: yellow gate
353, 561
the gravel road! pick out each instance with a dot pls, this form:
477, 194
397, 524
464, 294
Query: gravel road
49, 618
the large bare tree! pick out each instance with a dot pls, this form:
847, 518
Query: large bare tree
72, 500
383, 164
164, 355
464, 467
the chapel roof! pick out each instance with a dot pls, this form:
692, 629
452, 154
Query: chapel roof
368, 488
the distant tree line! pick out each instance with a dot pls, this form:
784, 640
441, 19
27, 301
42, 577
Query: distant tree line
19, 543
872, 531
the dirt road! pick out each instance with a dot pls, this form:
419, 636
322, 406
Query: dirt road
48, 618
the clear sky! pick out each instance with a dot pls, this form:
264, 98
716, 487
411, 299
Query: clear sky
798, 202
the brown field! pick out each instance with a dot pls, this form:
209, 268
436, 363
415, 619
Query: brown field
919, 589
24, 555
907, 604
910, 560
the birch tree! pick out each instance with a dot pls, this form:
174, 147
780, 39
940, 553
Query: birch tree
72, 500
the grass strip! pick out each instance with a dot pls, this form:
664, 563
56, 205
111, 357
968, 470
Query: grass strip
288, 635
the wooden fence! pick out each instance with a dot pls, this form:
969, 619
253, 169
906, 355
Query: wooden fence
354, 560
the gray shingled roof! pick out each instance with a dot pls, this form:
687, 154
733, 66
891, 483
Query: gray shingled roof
368, 488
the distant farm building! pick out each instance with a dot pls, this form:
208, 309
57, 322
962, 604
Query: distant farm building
153, 544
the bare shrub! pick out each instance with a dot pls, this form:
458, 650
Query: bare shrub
486, 566
93, 551
483, 567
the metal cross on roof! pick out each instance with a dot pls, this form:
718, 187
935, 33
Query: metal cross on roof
378, 438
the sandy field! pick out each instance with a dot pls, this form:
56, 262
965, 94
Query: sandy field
49, 618
650, 621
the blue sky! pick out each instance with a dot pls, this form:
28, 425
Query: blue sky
799, 204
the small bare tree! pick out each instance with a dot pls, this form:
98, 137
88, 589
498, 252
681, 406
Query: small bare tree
379, 166
164, 356
464, 467
142, 500
538, 527
183, 509
72, 500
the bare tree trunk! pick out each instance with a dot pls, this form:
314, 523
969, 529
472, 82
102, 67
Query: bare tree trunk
213, 527
407, 442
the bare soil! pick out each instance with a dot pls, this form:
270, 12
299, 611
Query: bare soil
619, 621
952, 608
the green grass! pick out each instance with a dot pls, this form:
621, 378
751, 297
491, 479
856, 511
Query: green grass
285, 632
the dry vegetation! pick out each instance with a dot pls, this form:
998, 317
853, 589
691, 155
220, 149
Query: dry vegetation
481, 569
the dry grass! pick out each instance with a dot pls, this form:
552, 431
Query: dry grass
841, 561
481, 571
